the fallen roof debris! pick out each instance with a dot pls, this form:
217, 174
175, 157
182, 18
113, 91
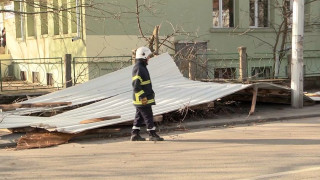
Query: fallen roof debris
314, 96
110, 96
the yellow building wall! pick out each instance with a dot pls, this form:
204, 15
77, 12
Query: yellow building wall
41, 45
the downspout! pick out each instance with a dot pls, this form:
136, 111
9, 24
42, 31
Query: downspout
22, 21
78, 21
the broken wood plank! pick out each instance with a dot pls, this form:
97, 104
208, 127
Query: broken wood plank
99, 119
42, 139
31, 105
254, 100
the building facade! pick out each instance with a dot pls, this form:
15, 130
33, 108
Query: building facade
210, 29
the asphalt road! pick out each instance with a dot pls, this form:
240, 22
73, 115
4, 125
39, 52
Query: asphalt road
277, 150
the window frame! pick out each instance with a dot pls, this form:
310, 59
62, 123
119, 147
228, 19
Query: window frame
56, 19
261, 72
225, 73
44, 18
291, 15
256, 15
220, 24
19, 20
31, 20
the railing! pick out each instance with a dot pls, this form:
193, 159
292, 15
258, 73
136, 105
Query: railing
29, 74
222, 66
37, 73
87, 68
311, 63
259, 65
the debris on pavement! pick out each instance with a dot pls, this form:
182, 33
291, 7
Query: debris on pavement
106, 101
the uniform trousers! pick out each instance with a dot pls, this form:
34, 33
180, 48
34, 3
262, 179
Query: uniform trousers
144, 114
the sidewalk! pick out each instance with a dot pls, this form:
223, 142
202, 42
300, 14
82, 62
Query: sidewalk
263, 113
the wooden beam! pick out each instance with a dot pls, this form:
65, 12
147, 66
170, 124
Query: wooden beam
254, 99
99, 119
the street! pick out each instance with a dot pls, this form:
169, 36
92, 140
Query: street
276, 150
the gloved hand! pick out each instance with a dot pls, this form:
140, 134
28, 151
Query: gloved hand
144, 101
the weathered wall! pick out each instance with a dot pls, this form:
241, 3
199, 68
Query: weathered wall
195, 19
42, 46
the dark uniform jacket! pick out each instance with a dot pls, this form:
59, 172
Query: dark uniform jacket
141, 84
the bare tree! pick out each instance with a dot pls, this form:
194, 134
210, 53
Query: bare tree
282, 32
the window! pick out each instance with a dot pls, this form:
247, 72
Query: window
30, 17
288, 5
18, 19
23, 75
261, 72
74, 16
44, 17
56, 18
224, 73
222, 13
35, 77
65, 16
49, 79
259, 13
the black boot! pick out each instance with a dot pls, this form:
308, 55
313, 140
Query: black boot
153, 136
135, 135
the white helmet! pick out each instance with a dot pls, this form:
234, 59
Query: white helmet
143, 53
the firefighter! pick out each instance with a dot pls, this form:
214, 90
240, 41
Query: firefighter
143, 97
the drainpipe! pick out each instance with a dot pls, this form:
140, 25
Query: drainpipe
78, 21
22, 21
277, 66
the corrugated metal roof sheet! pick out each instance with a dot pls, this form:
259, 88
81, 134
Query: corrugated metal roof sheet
315, 96
172, 90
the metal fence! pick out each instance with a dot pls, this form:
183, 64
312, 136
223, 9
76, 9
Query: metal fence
29, 74
37, 73
311, 62
259, 65
87, 68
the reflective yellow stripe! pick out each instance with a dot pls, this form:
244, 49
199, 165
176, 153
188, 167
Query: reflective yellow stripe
140, 103
137, 77
137, 95
141, 81
145, 82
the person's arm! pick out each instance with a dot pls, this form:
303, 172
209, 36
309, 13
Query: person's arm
137, 87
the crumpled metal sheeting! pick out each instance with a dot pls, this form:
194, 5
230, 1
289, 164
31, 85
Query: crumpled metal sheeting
105, 86
9, 121
102, 87
95, 89
172, 90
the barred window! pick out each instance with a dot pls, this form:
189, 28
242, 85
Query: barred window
259, 13
222, 14
225, 73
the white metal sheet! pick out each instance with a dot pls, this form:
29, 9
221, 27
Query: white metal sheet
172, 90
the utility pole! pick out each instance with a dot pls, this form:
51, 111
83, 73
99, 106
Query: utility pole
297, 54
